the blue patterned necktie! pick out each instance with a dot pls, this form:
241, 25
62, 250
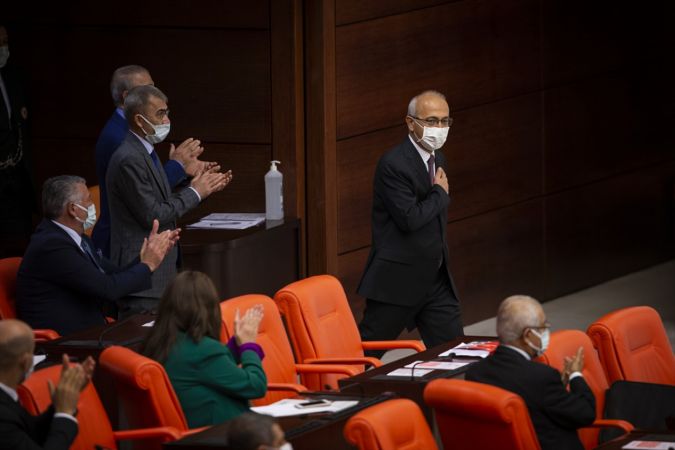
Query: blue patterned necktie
155, 159
88, 251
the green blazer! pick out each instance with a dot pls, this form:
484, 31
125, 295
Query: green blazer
210, 384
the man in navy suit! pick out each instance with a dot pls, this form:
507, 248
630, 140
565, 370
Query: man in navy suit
182, 161
407, 281
63, 283
556, 413
57, 427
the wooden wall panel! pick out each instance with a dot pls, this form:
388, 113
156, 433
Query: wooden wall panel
217, 81
606, 229
349, 11
598, 128
473, 51
483, 141
53, 157
497, 254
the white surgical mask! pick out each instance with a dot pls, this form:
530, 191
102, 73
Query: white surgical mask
433, 138
4, 55
91, 216
161, 131
544, 337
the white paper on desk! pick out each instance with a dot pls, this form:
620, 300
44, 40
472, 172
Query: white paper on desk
658, 445
149, 324
466, 352
440, 365
37, 359
286, 407
236, 217
475, 349
223, 225
404, 372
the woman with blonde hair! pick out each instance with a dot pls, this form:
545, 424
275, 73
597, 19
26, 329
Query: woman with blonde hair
214, 382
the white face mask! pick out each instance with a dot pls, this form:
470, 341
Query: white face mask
91, 216
161, 131
4, 55
433, 138
544, 337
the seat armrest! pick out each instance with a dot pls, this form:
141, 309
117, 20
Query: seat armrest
297, 388
326, 368
165, 433
627, 427
193, 431
42, 335
367, 360
418, 346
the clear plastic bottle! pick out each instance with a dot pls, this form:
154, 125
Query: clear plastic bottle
274, 193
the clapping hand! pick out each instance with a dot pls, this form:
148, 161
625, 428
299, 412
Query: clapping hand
572, 364
246, 328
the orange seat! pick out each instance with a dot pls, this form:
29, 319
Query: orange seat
95, 193
9, 268
95, 430
473, 415
144, 390
321, 326
280, 368
633, 346
397, 424
565, 343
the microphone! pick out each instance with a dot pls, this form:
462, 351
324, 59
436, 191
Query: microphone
109, 329
412, 370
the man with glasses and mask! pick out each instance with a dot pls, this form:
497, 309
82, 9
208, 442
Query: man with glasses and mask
139, 192
407, 282
556, 413
63, 283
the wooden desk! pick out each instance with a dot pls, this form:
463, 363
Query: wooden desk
258, 260
375, 382
307, 432
616, 444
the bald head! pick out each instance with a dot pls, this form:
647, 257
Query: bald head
16, 341
515, 314
427, 101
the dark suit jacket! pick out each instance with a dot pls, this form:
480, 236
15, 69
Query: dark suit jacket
409, 220
111, 137
59, 287
21, 431
556, 413
138, 193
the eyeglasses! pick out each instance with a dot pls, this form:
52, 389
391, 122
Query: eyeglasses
435, 121
546, 324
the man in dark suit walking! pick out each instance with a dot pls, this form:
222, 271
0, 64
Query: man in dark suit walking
63, 283
56, 428
407, 281
182, 161
139, 192
556, 413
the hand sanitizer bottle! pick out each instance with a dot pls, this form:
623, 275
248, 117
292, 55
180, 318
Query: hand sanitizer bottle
274, 193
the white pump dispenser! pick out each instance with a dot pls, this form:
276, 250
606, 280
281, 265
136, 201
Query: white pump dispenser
274, 193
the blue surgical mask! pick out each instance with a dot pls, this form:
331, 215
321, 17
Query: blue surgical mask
91, 216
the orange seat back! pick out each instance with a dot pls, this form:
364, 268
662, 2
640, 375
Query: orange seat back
144, 390
473, 415
320, 324
566, 343
9, 268
94, 425
397, 424
633, 345
278, 363
95, 193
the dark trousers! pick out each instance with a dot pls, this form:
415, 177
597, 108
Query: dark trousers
437, 317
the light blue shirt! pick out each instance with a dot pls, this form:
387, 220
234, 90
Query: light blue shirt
72, 233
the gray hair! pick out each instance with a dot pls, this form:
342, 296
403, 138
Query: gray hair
138, 98
57, 192
412, 106
121, 81
514, 315
248, 431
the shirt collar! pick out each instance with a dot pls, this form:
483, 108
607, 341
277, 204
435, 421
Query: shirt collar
9, 391
120, 111
423, 153
72, 233
148, 146
521, 351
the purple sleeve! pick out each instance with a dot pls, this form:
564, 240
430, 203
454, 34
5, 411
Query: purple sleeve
238, 349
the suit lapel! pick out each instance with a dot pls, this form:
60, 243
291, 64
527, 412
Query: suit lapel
416, 162
159, 176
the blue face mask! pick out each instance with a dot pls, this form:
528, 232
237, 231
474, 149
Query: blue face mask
91, 216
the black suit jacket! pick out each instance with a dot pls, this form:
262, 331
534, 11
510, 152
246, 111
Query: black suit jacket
556, 413
409, 220
21, 431
59, 287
